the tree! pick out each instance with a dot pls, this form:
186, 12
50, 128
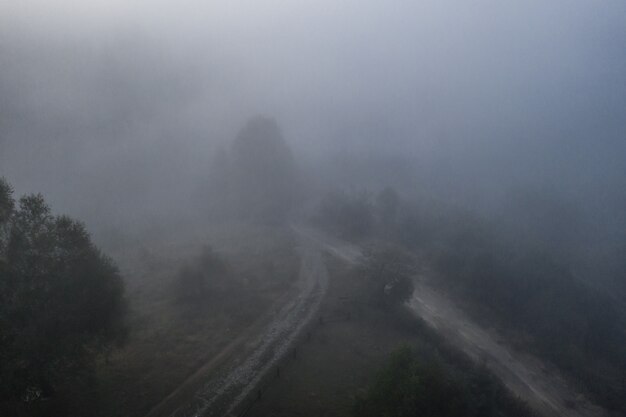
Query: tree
7, 207
257, 179
61, 300
389, 273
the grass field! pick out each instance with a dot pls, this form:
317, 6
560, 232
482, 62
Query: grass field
169, 341
339, 359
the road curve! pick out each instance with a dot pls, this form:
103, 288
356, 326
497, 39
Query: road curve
224, 393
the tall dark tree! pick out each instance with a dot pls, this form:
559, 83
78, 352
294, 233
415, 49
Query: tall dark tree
264, 170
61, 300
257, 179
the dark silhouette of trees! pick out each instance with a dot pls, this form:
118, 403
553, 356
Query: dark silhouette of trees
257, 179
7, 206
61, 300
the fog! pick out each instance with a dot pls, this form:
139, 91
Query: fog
115, 109
242, 178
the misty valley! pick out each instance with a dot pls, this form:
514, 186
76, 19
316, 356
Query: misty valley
312, 209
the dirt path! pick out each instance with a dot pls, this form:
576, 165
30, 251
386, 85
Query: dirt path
220, 386
536, 382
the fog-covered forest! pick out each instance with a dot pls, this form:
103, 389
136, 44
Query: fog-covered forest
223, 208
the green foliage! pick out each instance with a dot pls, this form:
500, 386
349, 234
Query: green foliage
61, 300
521, 278
7, 208
532, 294
577, 327
420, 384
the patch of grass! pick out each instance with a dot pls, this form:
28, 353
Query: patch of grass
169, 341
337, 364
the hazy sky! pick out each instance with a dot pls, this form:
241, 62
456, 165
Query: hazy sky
487, 88
427, 67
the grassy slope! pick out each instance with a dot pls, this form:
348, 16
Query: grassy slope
168, 342
336, 364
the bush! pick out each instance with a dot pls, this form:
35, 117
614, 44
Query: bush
414, 383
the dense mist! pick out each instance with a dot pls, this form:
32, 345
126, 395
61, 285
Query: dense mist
116, 111
197, 142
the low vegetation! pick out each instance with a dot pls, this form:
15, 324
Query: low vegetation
343, 366
524, 285
200, 280
540, 305
78, 338
414, 383
188, 301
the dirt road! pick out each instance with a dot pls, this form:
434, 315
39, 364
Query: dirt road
233, 376
536, 382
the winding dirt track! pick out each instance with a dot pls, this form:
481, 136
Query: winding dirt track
221, 386
536, 382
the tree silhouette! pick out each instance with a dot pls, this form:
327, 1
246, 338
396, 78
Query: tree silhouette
257, 179
61, 299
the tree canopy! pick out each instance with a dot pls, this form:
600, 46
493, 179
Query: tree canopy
61, 300
256, 179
